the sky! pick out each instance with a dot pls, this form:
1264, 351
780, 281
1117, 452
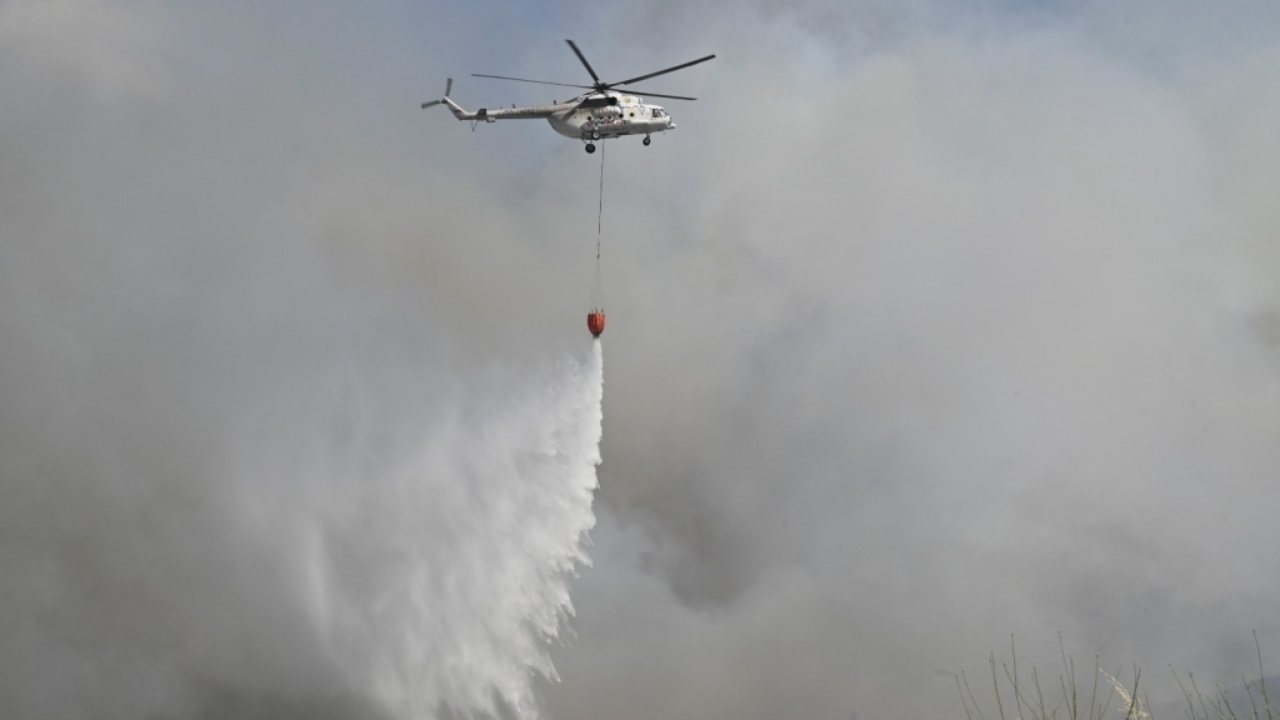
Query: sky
931, 325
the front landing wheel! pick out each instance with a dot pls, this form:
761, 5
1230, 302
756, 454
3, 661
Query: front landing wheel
590, 148
647, 140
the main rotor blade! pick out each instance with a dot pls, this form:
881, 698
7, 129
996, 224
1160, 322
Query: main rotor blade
646, 93
540, 82
583, 58
661, 72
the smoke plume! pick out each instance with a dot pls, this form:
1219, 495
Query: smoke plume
932, 323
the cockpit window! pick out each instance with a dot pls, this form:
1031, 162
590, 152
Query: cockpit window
657, 112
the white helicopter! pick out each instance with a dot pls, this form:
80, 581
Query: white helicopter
590, 117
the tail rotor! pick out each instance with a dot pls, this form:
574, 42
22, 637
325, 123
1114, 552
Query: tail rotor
448, 87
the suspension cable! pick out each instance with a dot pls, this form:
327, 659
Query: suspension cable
600, 209
597, 293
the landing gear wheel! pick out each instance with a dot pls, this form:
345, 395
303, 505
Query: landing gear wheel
591, 147
647, 140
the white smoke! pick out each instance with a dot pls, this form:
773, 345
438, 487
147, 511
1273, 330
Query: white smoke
247, 470
380, 553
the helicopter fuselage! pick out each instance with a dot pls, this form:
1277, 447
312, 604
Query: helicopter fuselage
588, 117
597, 120
601, 113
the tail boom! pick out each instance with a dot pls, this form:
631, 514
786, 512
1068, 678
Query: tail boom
486, 115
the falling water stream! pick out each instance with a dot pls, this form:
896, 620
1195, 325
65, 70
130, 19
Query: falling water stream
442, 583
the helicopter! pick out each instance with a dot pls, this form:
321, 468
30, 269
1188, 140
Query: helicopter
601, 113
